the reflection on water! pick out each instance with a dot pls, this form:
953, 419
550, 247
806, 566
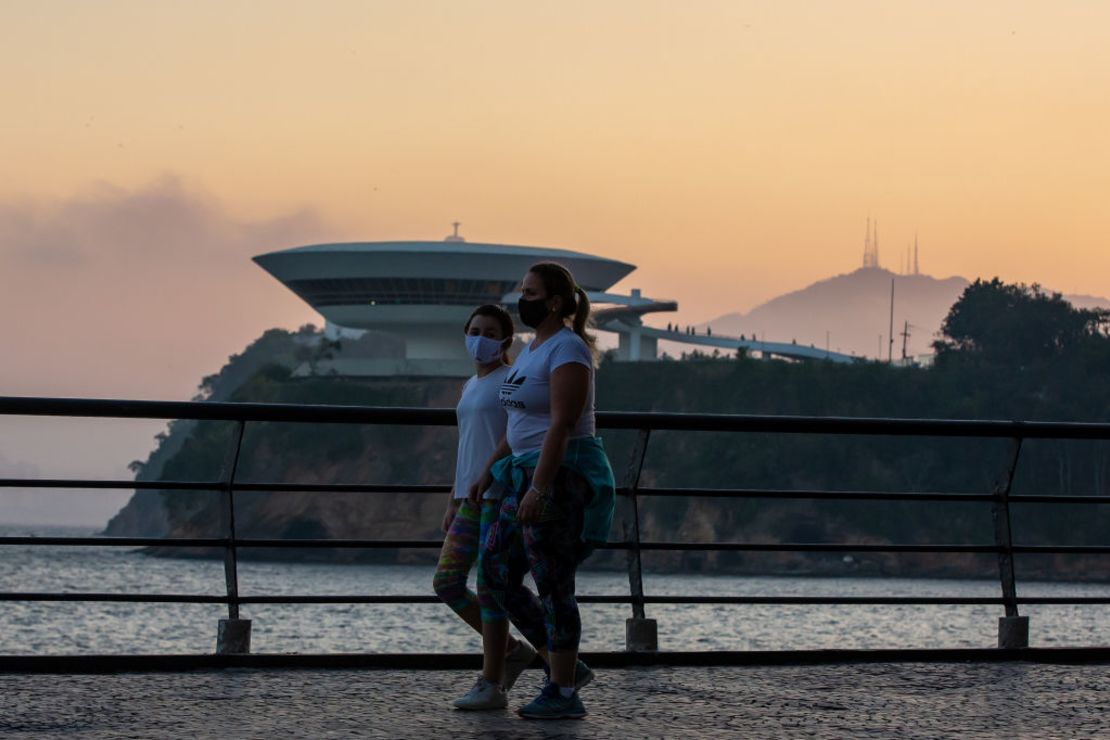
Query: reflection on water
70, 628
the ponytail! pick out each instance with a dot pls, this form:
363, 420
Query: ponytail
582, 319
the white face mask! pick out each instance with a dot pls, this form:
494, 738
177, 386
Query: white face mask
483, 349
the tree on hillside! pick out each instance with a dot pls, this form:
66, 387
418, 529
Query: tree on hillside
1017, 325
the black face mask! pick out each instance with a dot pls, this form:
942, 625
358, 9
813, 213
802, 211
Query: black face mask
533, 312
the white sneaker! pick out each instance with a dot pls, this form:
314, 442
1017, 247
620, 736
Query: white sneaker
483, 695
515, 662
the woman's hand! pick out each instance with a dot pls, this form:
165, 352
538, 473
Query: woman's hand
531, 506
477, 489
449, 515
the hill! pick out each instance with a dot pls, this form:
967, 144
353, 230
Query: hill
290, 453
852, 311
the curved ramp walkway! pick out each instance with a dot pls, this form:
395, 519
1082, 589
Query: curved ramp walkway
887, 700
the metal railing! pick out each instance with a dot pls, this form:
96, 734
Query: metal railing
1013, 629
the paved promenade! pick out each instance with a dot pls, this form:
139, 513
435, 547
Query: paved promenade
905, 700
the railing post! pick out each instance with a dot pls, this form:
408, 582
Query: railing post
1013, 630
234, 634
640, 633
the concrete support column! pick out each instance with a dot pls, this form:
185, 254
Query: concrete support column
1013, 632
233, 637
641, 635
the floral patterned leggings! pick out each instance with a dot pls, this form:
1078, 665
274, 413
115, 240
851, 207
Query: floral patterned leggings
461, 549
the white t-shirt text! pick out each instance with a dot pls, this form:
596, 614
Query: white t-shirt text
526, 391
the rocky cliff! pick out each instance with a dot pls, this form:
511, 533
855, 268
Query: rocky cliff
290, 453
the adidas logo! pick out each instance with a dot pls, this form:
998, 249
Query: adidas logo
512, 384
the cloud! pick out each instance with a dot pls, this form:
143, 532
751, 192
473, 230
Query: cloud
136, 292
161, 221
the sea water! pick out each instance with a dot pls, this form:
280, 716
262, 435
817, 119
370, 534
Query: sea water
40, 628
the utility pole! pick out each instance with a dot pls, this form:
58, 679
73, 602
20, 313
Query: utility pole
905, 338
890, 349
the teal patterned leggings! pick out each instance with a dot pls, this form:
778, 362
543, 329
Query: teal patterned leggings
551, 549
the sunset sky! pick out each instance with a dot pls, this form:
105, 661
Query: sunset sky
752, 138
732, 150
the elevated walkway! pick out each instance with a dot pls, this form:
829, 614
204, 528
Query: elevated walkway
623, 315
767, 350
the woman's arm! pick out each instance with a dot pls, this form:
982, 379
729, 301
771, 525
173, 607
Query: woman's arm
570, 386
477, 489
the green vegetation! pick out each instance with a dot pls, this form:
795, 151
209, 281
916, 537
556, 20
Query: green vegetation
1007, 352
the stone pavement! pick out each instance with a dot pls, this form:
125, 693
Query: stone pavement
904, 700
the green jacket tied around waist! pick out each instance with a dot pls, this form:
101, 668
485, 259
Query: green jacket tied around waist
585, 456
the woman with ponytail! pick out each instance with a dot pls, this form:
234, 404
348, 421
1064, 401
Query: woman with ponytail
559, 486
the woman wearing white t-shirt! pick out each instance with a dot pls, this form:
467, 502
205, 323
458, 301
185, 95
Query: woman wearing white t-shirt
481, 419
560, 495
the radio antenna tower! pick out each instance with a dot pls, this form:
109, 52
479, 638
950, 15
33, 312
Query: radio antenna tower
871, 245
875, 245
916, 267
867, 242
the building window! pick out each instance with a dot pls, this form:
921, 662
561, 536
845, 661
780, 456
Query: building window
401, 291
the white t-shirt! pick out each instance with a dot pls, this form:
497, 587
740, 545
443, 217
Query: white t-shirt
526, 392
481, 426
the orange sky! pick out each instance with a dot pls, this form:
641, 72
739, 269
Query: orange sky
750, 138
730, 149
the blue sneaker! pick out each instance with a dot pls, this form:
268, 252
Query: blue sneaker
551, 704
583, 674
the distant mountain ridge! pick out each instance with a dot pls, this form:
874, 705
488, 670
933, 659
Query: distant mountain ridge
852, 311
